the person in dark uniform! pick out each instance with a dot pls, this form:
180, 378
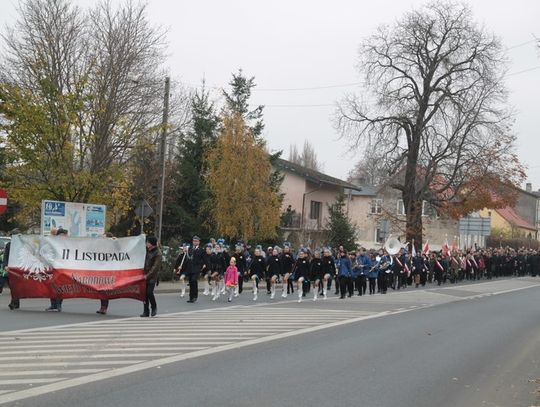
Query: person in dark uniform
196, 253
301, 272
182, 265
273, 270
241, 264
56, 303
14, 303
316, 272
287, 264
152, 265
256, 271
328, 271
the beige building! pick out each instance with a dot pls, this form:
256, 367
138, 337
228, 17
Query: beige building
307, 194
378, 212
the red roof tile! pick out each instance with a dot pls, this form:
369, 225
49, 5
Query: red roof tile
513, 218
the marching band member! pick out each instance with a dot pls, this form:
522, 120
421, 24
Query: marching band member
241, 266
273, 270
206, 270
180, 268
256, 271
373, 275
328, 271
301, 272
316, 272
345, 274
364, 264
287, 263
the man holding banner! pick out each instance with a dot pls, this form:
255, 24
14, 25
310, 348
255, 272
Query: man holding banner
152, 265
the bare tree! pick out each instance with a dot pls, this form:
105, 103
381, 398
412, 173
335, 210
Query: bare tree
99, 72
307, 158
438, 110
370, 169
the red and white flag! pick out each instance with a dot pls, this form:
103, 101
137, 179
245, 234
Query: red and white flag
425, 250
78, 267
446, 248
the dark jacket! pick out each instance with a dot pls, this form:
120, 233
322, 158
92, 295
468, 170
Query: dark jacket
152, 265
273, 265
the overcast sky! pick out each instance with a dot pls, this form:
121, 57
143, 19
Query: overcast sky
291, 44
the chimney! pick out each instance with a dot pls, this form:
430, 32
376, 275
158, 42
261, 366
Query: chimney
528, 187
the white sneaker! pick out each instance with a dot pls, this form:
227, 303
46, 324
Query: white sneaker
284, 295
206, 292
255, 297
300, 299
236, 295
324, 296
272, 296
315, 298
182, 294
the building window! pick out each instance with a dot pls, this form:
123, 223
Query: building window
376, 206
315, 210
429, 210
400, 207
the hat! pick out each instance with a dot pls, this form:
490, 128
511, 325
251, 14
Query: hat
150, 239
221, 241
196, 238
61, 231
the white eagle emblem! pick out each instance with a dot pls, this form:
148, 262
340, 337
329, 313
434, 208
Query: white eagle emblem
36, 260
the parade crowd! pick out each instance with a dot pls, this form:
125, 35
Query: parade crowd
284, 271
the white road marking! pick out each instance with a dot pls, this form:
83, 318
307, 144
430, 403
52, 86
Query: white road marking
15, 372
287, 324
30, 381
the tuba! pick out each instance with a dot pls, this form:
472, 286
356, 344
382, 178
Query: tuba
392, 246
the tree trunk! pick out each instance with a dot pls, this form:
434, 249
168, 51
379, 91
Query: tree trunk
414, 223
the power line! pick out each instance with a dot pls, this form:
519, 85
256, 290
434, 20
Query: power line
523, 71
521, 45
343, 85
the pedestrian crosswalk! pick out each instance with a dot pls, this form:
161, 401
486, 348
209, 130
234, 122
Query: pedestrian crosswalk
38, 361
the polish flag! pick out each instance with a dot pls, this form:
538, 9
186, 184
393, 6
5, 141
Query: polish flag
425, 250
446, 248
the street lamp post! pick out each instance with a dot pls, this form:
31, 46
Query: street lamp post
162, 150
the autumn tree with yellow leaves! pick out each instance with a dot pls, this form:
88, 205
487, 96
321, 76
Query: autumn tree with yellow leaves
239, 175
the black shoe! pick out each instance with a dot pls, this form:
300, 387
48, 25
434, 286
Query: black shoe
11, 306
191, 301
144, 315
342, 297
153, 313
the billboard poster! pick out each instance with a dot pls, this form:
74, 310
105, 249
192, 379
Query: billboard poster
79, 219
71, 267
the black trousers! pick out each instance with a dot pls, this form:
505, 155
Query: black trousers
150, 298
372, 283
361, 285
346, 285
194, 286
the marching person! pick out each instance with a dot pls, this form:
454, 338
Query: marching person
287, 264
56, 303
241, 264
256, 271
14, 303
182, 263
231, 278
364, 263
373, 275
328, 271
345, 274
196, 254
301, 272
152, 265
273, 270
206, 269
316, 272
104, 304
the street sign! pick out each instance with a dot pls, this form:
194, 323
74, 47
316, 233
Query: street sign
475, 226
143, 209
3, 201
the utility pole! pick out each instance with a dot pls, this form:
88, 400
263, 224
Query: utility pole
162, 151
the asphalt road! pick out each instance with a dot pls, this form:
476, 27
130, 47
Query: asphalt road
456, 346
